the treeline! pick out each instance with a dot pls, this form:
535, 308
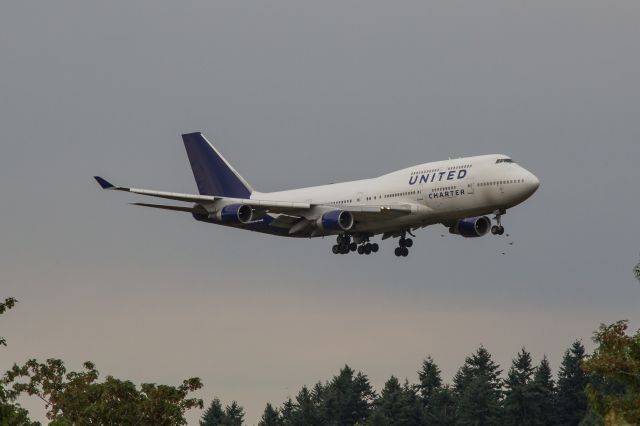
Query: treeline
601, 388
478, 395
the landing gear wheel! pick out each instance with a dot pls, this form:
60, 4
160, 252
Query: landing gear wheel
361, 250
495, 229
367, 248
501, 230
398, 251
344, 249
408, 242
335, 249
402, 242
405, 252
374, 247
353, 247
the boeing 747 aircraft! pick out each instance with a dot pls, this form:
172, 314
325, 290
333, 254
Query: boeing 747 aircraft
458, 193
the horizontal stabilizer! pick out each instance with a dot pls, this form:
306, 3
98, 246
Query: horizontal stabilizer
165, 207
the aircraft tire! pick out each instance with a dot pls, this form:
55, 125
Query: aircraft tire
335, 249
374, 247
408, 242
405, 252
398, 251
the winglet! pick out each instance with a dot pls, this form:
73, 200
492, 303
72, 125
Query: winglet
104, 183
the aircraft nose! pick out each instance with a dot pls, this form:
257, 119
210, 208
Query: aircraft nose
532, 182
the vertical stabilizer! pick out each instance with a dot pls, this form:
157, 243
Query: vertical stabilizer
213, 174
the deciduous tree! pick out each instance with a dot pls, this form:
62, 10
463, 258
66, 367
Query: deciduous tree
616, 360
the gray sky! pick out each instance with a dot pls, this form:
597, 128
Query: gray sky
295, 94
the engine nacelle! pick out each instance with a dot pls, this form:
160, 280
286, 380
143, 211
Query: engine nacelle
337, 220
471, 227
235, 213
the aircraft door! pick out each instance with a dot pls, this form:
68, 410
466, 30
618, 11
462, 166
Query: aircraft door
470, 185
421, 193
360, 198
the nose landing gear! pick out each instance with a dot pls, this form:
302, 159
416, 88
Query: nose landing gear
498, 229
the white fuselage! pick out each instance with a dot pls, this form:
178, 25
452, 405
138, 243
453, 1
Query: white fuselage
438, 192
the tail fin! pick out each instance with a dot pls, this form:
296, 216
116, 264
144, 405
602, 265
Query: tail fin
214, 175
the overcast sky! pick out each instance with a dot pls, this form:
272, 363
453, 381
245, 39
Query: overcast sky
296, 94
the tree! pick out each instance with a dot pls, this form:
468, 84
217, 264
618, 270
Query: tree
616, 362
10, 412
270, 417
442, 411
8, 303
234, 414
477, 387
520, 398
347, 399
545, 390
571, 400
286, 413
398, 405
305, 410
78, 397
430, 381
214, 415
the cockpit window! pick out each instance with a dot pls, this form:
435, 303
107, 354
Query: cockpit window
504, 160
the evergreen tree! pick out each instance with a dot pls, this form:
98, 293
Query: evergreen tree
521, 399
477, 387
234, 414
270, 417
571, 399
347, 398
430, 381
214, 415
398, 405
545, 390
286, 412
305, 411
442, 411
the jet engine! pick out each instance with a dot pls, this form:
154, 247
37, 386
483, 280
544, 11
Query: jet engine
235, 213
471, 227
337, 220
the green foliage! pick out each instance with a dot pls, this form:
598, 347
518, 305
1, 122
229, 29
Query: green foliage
430, 381
347, 399
521, 396
478, 390
78, 397
442, 411
545, 389
10, 412
398, 405
8, 303
616, 363
270, 417
214, 415
571, 401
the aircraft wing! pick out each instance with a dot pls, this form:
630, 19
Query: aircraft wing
272, 206
294, 216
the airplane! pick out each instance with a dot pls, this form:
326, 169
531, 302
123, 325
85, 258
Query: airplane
459, 193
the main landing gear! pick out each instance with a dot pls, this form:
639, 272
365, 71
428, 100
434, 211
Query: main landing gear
345, 245
403, 245
498, 229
